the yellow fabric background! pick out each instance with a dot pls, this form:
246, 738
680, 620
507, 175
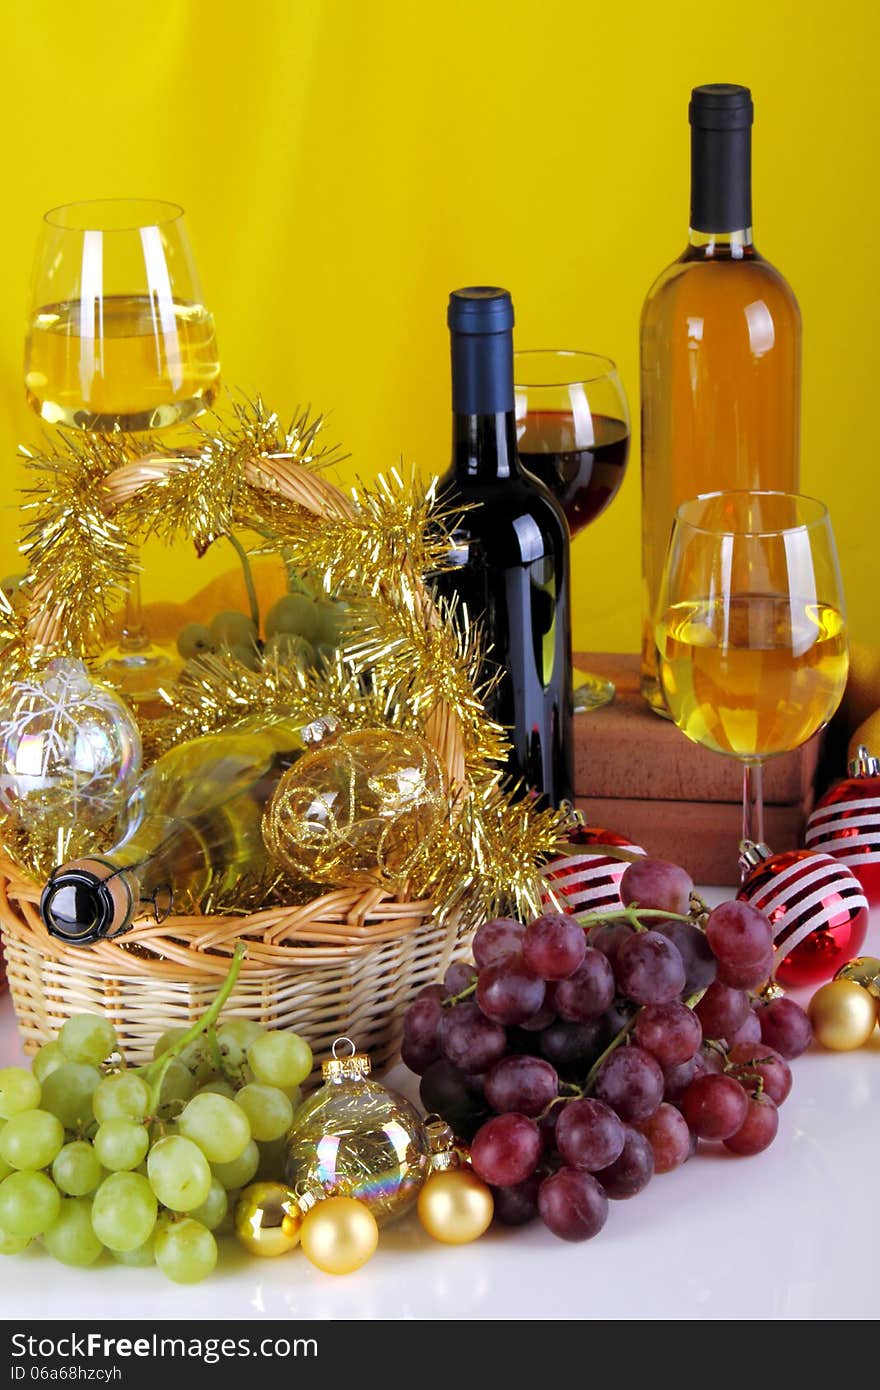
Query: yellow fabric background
345, 163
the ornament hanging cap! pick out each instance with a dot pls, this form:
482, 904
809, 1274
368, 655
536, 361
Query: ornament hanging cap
353, 1067
863, 764
751, 854
442, 1152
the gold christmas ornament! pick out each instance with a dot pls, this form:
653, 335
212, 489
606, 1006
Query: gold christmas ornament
358, 1139
843, 1015
339, 1235
864, 971
268, 1219
454, 1206
365, 807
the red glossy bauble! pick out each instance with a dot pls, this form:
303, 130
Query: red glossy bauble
846, 823
588, 878
816, 907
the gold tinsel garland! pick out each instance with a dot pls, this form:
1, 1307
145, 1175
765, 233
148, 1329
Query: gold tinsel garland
403, 663
80, 561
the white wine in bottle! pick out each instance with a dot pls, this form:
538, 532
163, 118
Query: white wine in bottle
193, 825
720, 353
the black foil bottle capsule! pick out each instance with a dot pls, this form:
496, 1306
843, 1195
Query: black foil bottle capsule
510, 562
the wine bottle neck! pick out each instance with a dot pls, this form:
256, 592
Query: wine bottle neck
88, 900
721, 172
732, 246
484, 424
484, 446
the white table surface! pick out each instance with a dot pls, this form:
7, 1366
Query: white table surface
787, 1234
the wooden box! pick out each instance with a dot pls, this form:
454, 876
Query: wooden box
636, 773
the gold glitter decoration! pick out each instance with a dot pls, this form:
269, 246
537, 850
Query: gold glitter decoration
362, 809
210, 490
404, 665
212, 693
80, 560
15, 654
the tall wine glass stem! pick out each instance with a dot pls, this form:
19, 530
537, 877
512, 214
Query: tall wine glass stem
753, 804
590, 691
135, 637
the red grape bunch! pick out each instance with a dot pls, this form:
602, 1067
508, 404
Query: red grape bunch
581, 1056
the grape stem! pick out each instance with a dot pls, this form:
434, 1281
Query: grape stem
216, 1054
457, 998
615, 1042
753, 1077
577, 1094
154, 1072
619, 1037
253, 601
596, 919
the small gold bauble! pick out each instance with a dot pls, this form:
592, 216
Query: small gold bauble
268, 1219
339, 1235
455, 1206
843, 1015
865, 971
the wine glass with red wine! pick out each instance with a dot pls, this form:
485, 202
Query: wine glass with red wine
572, 426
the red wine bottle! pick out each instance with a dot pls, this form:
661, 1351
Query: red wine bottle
510, 562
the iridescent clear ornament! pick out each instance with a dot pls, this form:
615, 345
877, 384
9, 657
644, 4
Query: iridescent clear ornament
356, 1138
360, 809
70, 751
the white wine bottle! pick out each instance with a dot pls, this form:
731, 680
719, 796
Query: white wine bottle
193, 825
720, 353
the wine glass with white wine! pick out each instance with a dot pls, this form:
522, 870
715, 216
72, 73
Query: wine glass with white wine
119, 341
751, 629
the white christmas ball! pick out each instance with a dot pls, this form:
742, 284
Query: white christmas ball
69, 747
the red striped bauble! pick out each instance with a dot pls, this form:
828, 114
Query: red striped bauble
846, 823
816, 907
587, 879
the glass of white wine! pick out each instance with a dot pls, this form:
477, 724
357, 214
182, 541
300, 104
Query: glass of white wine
751, 628
119, 341
119, 337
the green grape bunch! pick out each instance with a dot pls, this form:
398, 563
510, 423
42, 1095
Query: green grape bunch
302, 629
144, 1164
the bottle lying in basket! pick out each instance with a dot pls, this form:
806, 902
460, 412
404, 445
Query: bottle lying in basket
192, 825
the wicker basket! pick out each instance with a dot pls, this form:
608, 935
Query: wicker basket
347, 962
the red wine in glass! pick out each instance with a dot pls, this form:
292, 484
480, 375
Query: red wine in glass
572, 431
583, 476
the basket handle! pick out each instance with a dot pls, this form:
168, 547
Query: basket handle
281, 474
